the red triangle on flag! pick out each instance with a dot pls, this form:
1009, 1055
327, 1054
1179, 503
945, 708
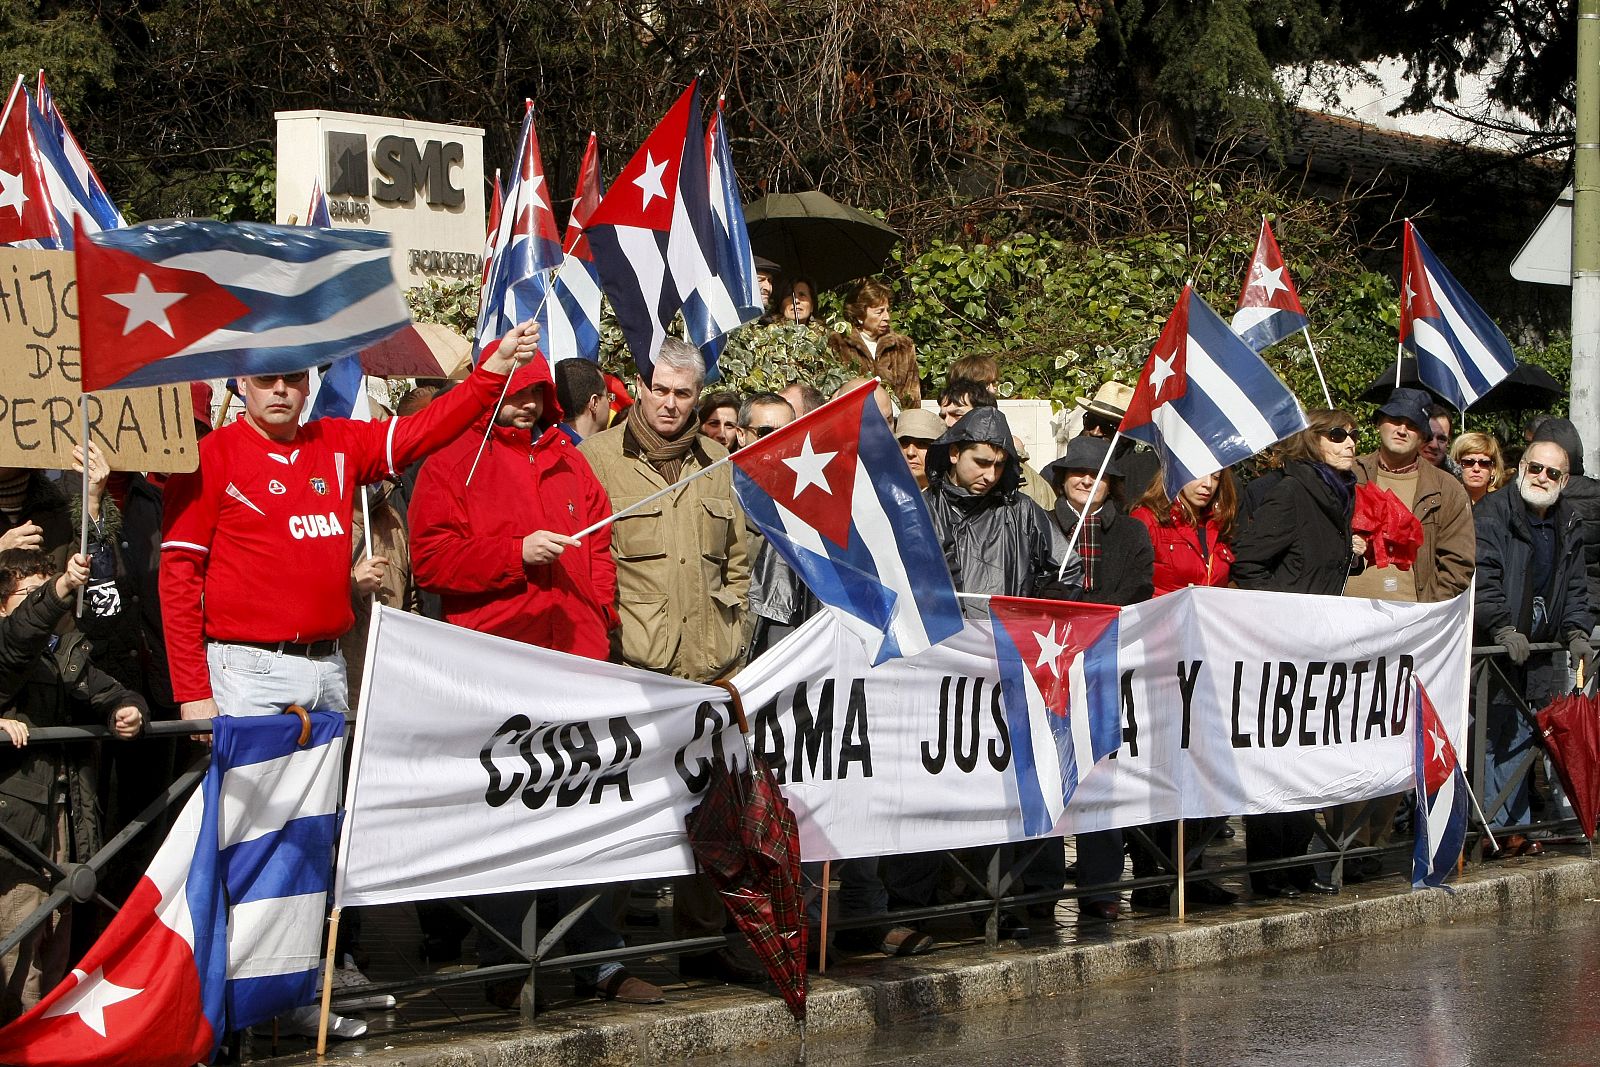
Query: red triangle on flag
809, 466
1438, 754
132, 312
25, 213
1165, 376
1416, 294
536, 191
644, 193
584, 203
1049, 635
1268, 284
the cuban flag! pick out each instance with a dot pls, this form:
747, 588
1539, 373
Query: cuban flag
191, 299
526, 248
575, 314
337, 392
1461, 354
1441, 798
652, 240
496, 205
834, 497
26, 217
736, 267
223, 930
317, 213
88, 193
1058, 679
1205, 400
1269, 307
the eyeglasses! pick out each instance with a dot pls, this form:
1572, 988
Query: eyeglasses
1338, 434
267, 381
1555, 474
762, 431
1476, 461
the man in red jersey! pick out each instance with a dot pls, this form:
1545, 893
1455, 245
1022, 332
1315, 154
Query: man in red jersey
255, 549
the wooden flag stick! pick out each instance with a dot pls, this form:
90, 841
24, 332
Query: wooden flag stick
1182, 867
83, 526
822, 945
327, 983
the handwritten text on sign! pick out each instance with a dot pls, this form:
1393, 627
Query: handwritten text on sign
148, 429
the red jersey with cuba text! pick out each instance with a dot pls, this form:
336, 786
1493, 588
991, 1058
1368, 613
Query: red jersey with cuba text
256, 543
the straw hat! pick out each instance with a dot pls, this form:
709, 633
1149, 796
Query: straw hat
1110, 401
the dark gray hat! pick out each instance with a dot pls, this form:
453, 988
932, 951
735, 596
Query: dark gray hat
766, 266
1411, 405
1084, 453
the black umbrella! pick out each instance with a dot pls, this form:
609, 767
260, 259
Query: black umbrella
1525, 389
813, 235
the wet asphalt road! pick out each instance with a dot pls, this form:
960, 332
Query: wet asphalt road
1521, 990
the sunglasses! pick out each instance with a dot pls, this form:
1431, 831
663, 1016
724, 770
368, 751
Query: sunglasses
1555, 474
762, 431
1338, 435
266, 381
1476, 461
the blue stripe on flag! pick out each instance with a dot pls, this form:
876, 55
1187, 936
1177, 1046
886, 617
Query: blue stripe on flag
1104, 694
237, 362
318, 304
290, 862
161, 241
1272, 329
585, 330
255, 1000
208, 909
263, 743
1014, 691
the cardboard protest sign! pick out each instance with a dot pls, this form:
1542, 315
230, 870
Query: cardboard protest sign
148, 429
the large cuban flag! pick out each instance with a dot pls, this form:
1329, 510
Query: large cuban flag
190, 299
1441, 798
526, 247
575, 314
223, 930
1205, 400
833, 496
735, 263
1461, 354
80, 187
1269, 307
1058, 679
26, 217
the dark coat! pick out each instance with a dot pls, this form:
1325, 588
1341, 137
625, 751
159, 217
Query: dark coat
1582, 493
1504, 596
51, 688
1123, 571
1297, 540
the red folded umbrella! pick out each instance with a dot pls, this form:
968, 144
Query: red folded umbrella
1393, 533
1570, 726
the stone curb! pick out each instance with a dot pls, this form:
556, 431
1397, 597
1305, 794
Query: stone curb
921, 987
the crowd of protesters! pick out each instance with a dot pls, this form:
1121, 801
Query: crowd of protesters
244, 587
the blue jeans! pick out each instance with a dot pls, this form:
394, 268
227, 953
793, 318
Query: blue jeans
1509, 735
246, 680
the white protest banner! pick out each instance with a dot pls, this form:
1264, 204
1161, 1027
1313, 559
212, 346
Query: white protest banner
484, 765
138, 429
1233, 702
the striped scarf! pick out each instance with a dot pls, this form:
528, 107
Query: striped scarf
664, 455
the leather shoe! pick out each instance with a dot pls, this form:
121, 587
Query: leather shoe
1012, 928
1106, 911
1327, 889
1287, 892
719, 966
623, 988
1209, 892
1152, 898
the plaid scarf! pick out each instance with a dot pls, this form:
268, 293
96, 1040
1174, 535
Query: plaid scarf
664, 455
1089, 548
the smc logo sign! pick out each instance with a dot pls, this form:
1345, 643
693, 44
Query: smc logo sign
404, 169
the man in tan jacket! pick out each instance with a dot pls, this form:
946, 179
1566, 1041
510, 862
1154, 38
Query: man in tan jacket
682, 574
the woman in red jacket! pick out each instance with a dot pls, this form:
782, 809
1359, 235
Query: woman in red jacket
1191, 536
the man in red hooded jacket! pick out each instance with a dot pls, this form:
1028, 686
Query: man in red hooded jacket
501, 556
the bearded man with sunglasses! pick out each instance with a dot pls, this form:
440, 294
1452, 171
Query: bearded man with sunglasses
256, 548
1532, 588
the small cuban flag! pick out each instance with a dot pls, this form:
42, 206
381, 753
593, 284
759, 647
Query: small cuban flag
1461, 354
1441, 799
224, 929
1058, 679
834, 497
1205, 401
1269, 306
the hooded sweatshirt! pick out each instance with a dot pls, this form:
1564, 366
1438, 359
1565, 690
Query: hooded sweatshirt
466, 541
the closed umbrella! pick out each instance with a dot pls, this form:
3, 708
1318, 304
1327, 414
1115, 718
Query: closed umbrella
1570, 728
813, 235
421, 350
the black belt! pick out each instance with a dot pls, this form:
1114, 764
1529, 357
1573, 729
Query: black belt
290, 648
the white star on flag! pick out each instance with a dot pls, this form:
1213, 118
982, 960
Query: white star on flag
1270, 280
1438, 745
809, 468
1160, 372
536, 190
1050, 649
650, 181
12, 193
146, 304
90, 998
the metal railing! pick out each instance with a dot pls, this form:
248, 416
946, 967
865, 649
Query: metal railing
994, 888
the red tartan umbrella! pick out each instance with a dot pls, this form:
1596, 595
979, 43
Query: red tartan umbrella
745, 838
1571, 729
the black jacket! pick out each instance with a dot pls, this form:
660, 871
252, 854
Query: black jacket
51, 688
1001, 543
1124, 573
1582, 493
1504, 594
1297, 539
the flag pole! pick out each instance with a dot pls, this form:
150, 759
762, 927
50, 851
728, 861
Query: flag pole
1183, 865
83, 526
1083, 516
1317, 363
822, 944
657, 495
327, 983
1482, 818
1399, 362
